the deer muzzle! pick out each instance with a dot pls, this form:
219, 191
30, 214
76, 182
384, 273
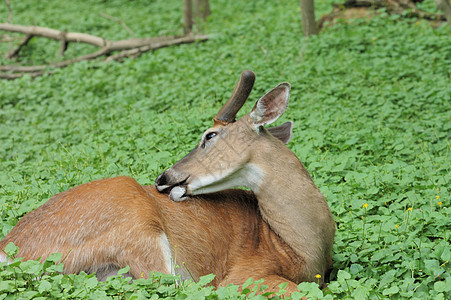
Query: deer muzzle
176, 189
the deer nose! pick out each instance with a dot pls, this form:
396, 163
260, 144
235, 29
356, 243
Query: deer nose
161, 183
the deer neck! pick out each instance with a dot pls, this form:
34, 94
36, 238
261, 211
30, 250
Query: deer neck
295, 209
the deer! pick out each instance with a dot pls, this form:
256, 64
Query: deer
239, 205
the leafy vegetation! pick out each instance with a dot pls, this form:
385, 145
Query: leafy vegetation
370, 101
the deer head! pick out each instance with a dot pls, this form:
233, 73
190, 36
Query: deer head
227, 155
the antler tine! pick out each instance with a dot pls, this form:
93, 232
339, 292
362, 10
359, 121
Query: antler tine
242, 90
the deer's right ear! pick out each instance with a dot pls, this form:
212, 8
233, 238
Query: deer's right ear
283, 132
271, 106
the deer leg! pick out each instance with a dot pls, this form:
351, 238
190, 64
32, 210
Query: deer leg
150, 254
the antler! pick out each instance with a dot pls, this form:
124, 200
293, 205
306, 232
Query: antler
242, 90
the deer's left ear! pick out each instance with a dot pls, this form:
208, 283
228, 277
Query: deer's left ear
271, 106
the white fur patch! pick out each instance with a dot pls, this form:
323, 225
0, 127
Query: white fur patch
177, 193
250, 176
161, 187
167, 255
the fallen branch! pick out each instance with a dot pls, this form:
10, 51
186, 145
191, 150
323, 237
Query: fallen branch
401, 7
159, 43
49, 33
15, 52
129, 48
104, 51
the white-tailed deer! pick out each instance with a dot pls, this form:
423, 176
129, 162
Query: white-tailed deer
282, 230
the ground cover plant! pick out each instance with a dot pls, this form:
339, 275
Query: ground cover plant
370, 101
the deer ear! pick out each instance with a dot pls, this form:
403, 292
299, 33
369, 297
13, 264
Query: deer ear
283, 132
271, 106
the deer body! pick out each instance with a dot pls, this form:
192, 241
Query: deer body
282, 230
111, 223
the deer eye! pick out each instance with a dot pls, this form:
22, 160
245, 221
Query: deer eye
210, 135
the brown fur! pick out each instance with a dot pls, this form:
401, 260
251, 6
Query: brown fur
117, 222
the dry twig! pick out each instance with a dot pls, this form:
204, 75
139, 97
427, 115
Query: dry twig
119, 21
10, 12
15, 52
10, 16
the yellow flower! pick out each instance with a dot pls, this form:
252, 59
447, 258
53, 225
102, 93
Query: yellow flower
396, 225
365, 205
317, 276
409, 209
437, 197
439, 203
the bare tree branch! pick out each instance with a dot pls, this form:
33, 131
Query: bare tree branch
157, 45
75, 37
119, 21
129, 48
10, 12
15, 52
54, 34
63, 44
105, 51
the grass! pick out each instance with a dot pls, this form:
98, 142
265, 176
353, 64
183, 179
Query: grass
370, 102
